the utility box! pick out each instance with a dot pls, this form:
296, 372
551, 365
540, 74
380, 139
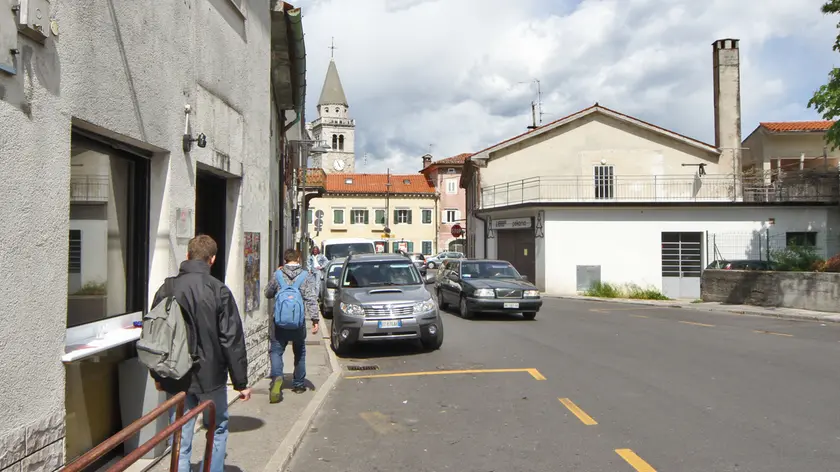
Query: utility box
33, 19
587, 275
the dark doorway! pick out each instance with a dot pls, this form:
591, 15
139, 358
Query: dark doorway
210, 213
517, 247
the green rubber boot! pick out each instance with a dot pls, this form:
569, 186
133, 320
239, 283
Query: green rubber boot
275, 394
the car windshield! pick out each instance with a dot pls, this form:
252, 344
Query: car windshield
335, 270
343, 250
380, 273
488, 270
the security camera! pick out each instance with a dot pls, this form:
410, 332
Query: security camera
202, 140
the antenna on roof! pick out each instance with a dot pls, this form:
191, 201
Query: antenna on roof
539, 99
533, 116
332, 48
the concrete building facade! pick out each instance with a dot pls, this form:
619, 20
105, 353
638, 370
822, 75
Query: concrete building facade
132, 128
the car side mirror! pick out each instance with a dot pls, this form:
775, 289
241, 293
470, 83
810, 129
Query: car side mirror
454, 277
429, 279
332, 283
523, 278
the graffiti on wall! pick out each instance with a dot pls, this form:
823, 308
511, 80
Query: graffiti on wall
252, 271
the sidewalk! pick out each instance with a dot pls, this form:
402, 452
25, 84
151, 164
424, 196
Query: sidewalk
264, 436
783, 313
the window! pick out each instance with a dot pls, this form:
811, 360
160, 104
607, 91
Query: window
451, 216
451, 186
341, 143
309, 216
427, 216
451, 170
801, 238
109, 205
348, 181
379, 216
604, 182
359, 217
338, 216
427, 248
406, 246
402, 216
334, 141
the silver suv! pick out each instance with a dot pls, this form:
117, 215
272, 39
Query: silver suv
383, 297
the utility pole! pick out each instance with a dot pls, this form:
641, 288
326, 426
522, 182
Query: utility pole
388, 209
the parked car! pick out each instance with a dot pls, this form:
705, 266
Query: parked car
741, 264
343, 247
435, 261
486, 286
327, 296
383, 297
419, 261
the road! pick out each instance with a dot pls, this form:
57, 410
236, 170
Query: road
599, 387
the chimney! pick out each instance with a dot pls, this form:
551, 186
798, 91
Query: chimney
427, 159
727, 89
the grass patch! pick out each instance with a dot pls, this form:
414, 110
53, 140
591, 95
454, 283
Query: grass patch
608, 290
699, 300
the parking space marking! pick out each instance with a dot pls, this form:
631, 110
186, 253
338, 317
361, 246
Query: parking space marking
774, 334
698, 324
577, 411
534, 373
634, 460
381, 423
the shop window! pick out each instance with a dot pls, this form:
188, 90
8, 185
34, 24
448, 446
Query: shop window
109, 230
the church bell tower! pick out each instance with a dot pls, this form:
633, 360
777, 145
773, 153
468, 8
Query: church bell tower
334, 127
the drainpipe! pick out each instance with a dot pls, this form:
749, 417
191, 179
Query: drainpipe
298, 47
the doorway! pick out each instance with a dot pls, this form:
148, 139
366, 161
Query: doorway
682, 263
518, 247
210, 215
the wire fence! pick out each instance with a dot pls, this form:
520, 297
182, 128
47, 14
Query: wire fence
763, 245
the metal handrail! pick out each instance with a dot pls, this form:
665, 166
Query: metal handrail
174, 429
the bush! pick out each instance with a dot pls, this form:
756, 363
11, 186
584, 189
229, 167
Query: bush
93, 288
796, 259
832, 264
608, 290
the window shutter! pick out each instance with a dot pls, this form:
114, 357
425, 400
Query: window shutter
396, 212
409, 216
366, 216
410, 246
395, 247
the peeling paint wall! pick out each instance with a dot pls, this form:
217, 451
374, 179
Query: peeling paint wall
124, 69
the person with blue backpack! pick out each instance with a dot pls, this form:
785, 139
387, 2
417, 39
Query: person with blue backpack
295, 295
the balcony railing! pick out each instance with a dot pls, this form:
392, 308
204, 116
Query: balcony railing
89, 188
334, 121
822, 187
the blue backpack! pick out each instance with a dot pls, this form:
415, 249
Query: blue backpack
288, 303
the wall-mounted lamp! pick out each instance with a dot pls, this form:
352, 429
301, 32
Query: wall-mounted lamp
701, 168
201, 139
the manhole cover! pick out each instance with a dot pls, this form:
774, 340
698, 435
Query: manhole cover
362, 367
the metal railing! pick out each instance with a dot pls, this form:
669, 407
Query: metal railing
89, 188
174, 429
334, 121
813, 187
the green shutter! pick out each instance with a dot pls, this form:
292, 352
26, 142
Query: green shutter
410, 246
366, 216
409, 216
395, 220
395, 248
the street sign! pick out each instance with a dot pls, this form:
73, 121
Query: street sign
457, 230
319, 214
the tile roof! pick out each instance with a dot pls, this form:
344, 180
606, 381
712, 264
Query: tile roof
796, 126
450, 161
375, 183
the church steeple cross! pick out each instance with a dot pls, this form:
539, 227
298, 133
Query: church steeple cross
332, 48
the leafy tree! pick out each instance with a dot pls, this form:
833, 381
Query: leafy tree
826, 99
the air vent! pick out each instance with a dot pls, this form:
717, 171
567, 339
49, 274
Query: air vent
357, 367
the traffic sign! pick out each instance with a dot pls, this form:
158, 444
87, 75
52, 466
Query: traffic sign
457, 230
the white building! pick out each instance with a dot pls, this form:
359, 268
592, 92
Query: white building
334, 127
625, 201
125, 130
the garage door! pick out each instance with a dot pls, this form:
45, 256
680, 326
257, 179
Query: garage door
682, 262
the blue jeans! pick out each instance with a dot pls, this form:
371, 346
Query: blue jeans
219, 398
279, 340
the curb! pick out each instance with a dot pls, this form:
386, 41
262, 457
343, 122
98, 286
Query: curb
829, 318
284, 453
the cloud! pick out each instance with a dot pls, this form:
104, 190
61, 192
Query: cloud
459, 74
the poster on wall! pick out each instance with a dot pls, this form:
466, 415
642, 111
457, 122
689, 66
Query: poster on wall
252, 271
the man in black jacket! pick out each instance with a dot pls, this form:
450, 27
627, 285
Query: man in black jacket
215, 331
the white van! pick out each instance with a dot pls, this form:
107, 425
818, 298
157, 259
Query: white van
343, 247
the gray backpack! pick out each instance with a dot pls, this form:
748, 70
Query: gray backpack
164, 345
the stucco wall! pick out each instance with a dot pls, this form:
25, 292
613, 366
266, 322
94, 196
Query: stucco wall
456, 201
803, 290
125, 70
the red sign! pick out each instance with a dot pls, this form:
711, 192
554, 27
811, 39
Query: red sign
457, 231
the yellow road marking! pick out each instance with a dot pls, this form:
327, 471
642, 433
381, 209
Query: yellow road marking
634, 460
774, 334
639, 316
697, 324
381, 423
534, 373
576, 410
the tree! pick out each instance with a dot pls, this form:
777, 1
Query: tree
826, 99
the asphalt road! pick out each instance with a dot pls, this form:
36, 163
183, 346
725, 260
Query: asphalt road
625, 388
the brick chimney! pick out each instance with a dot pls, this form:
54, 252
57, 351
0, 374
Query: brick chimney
427, 159
727, 90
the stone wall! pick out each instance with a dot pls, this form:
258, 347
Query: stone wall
816, 291
256, 346
38, 446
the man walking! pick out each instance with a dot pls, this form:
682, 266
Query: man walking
317, 263
215, 329
280, 337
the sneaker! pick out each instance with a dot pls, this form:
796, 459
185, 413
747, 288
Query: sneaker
299, 389
275, 393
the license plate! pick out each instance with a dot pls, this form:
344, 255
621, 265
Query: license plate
390, 324
511, 305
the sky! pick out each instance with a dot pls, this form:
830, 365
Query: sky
455, 76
